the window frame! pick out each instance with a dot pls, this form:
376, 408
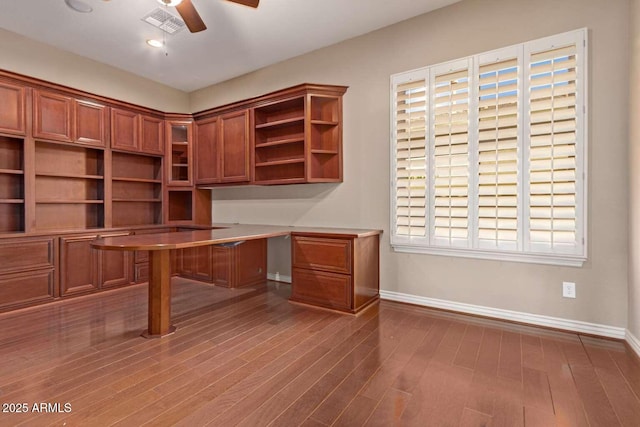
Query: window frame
526, 251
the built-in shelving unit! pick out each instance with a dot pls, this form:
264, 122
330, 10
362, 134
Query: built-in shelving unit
299, 139
280, 141
136, 189
69, 184
11, 184
325, 138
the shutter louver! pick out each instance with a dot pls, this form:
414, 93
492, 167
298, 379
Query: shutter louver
411, 181
552, 151
497, 121
450, 116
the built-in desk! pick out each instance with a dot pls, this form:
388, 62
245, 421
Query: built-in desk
332, 268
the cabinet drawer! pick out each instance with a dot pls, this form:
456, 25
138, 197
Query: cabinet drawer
20, 255
324, 289
26, 288
323, 254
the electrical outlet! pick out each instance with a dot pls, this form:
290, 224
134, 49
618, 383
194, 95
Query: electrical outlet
568, 289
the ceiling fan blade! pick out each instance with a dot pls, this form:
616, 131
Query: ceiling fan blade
190, 16
250, 3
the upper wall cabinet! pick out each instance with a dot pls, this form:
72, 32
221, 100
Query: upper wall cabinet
137, 133
12, 108
223, 149
285, 137
180, 152
151, 135
62, 118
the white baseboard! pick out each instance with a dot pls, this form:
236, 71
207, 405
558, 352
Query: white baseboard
280, 278
633, 342
515, 316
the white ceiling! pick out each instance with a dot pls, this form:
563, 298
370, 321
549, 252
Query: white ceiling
238, 39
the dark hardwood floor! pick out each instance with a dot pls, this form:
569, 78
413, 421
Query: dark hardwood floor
249, 357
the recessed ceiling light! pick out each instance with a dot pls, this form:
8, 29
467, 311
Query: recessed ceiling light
79, 6
154, 43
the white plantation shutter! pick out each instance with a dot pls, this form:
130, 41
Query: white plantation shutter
410, 151
555, 119
497, 160
450, 154
489, 154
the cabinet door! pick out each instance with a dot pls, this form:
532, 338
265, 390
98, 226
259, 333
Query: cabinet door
90, 123
207, 153
53, 116
151, 135
116, 267
234, 145
124, 130
251, 262
78, 265
179, 153
196, 263
12, 108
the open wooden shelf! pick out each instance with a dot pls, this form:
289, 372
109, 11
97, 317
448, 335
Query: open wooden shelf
279, 162
68, 202
12, 195
69, 187
284, 141
12, 171
324, 123
150, 181
299, 139
69, 216
136, 189
69, 175
180, 205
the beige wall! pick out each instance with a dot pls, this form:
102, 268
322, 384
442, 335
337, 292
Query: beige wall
22, 55
365, 64
634, 173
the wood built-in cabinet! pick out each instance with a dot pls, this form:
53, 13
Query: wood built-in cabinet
184, 203
180, 155
229, 265
27, 271
12, 108
12, 202
223, 149
75, 166
296, 137
85, 270
299, 140
69, 187
335, 272
138, 133
63, 118
136, 189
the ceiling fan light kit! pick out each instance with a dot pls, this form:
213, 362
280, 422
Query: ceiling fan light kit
170, 2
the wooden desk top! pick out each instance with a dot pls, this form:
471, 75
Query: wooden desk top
220, 233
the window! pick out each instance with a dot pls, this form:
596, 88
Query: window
489, 154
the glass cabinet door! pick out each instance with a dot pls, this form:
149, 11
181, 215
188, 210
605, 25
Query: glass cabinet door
179, 160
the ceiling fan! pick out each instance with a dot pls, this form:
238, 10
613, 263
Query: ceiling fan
190, 15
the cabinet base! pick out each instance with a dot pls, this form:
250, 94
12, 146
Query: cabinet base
356, 312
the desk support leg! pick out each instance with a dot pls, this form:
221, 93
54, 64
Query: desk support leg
159, 295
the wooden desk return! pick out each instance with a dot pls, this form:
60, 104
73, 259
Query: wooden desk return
349, 276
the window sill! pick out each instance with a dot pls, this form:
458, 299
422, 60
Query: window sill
531, 258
